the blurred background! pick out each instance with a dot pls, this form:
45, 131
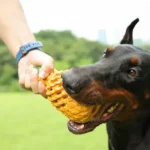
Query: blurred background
74, 33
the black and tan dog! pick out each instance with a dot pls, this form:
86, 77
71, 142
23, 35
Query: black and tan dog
120, 82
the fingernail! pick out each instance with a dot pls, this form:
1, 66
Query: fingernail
42, 74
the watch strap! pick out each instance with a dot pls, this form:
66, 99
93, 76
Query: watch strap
27, 48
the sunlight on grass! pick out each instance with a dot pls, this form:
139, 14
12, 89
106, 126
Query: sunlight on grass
29, 122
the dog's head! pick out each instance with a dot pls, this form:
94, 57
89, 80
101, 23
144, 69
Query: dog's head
119, 82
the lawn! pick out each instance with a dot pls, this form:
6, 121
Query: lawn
30, 122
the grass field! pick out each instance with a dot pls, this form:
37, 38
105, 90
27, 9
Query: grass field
29, 122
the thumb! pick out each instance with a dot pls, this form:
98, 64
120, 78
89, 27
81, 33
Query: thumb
46, 68
38, 58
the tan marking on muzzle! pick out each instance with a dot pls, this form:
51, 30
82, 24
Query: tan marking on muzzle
106, 97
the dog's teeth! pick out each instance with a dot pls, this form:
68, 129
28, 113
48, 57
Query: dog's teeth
81, 126
110, 110
117, 104
105, 114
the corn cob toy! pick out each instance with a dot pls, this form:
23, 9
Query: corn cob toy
63, 102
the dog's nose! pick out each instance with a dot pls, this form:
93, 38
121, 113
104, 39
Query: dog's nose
70, 82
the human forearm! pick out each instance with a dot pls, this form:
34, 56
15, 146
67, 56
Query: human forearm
14, 30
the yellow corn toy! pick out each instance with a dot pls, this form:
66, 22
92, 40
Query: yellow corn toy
63, 102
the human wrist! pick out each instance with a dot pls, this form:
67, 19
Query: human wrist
14, 40
26, 48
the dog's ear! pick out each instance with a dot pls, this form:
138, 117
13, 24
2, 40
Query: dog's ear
128, 38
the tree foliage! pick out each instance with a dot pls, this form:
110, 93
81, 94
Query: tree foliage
66, 49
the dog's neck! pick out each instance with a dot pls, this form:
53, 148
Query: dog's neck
128, 135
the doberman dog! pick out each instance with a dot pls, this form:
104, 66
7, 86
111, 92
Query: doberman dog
120, 83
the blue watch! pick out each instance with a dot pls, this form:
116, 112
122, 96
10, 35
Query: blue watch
26, 48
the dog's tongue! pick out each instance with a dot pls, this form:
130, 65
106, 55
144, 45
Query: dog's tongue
81, 128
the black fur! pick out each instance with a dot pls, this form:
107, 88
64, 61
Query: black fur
112, 71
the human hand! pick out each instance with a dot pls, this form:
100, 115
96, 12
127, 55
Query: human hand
29, 75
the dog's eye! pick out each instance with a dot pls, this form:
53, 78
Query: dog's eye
132, 72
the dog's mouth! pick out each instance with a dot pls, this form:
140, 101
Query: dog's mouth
104, 115
115, 104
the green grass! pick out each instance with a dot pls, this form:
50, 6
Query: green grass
29, 122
